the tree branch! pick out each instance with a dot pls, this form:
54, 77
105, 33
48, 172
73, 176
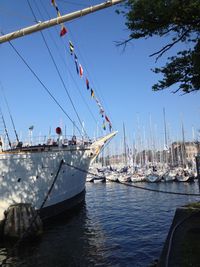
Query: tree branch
168, 46
171, 29
124, 42
174, 92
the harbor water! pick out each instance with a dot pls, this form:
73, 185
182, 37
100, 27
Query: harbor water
118, 225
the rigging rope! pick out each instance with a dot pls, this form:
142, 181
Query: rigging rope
75, 83
80, 71
5, 128
160, 191
97, 92
43, 85
52, 185
56, 67
12, 121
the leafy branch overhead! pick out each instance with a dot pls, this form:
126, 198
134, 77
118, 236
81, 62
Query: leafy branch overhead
179, 19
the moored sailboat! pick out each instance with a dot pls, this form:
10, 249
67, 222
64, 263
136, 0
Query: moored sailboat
169, 176
153, 175
183, 175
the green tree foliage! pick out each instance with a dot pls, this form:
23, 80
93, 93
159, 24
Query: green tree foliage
179, 19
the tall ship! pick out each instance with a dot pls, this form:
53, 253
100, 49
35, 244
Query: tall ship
50, 173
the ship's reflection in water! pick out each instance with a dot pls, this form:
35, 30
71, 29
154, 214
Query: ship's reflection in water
67, 241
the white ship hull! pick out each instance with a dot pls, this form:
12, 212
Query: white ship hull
27, 177
27, 174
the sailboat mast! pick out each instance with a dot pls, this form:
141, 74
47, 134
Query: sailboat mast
165, 159
165, 129
12, 121
50, 23
183, 145
125, 151
5, 128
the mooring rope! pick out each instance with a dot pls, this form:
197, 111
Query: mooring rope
159, 191
135, 186
52, 185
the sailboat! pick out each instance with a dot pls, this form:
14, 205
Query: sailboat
124, 175
50, 175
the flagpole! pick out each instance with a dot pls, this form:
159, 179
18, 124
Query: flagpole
59, 20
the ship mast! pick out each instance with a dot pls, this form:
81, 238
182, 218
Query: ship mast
52, 22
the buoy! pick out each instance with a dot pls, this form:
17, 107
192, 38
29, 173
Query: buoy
22, 220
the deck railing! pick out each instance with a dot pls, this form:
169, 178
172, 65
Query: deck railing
46, 141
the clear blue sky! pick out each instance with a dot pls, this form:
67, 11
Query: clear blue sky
121, 79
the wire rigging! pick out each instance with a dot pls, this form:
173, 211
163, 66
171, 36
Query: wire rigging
57, 69
64, 62
11, 118
43, 85
68, 69
80, 72
5, 128
88, 73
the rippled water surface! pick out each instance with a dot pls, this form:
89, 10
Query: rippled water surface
118, 225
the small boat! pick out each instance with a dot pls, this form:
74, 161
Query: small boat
89, 178
99, 179
153, 177
112, 176
124, 178
137, 178
91, 173
169, 176
184, 176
